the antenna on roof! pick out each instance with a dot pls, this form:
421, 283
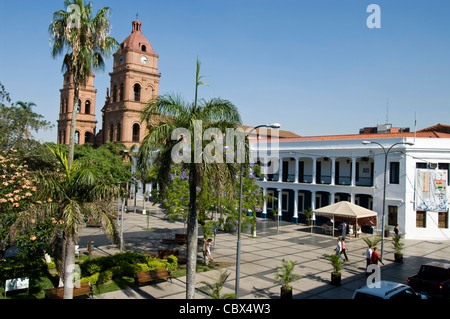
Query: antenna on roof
387, 111
415, 125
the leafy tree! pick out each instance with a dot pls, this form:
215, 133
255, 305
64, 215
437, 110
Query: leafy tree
171, 112
16, 121
213, 199
86, 38
107, 160
4, 96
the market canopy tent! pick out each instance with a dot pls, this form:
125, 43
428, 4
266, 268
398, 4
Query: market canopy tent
346, 211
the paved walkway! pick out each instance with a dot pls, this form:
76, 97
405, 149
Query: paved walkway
260, 256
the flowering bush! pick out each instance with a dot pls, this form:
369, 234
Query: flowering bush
18, 225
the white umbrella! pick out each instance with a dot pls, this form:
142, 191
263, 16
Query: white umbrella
346, 210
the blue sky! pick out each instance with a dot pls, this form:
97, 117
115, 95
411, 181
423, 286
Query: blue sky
314, 66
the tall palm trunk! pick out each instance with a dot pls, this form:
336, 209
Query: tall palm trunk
192, 230
73, 124
69, 253
69, 267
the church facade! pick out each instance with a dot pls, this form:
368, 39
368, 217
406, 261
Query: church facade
134, 81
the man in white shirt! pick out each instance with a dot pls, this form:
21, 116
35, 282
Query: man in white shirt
339, 248
368, 256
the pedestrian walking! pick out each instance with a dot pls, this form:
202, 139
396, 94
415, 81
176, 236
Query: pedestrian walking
207, 250
375, 258
344, 229
368, 257
339, 248
396, 230
344, 248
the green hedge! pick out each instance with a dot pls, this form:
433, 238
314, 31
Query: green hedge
100, 270
96, 270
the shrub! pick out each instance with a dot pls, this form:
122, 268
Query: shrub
129, 257
104, 277
126, 268
156, 264
90, 267
172, 263
20, 267
100, 270
142, 267
92, 279
116, 271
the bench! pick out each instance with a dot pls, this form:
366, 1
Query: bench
152, 275
58, 293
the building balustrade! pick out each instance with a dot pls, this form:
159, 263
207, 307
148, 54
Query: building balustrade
337, 172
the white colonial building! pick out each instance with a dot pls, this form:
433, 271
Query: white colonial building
318, 171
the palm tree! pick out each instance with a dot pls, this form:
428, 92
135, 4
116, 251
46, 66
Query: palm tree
74, 30
372, 242
164, 115
76, 194
217, 286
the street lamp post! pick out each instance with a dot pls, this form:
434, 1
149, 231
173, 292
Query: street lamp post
386, 153
238, 250
118, 201
121, 227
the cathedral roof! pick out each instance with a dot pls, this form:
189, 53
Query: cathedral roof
136, 39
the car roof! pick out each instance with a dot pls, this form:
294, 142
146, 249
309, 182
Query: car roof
438, 265
386, 288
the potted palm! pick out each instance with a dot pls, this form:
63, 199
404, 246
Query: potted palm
284, 275
274, 212
337, 264
398, 248
308, 214
372, 242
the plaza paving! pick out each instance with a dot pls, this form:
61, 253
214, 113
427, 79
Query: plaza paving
259, 258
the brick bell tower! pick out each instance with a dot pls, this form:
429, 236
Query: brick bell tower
134, 81
86, 123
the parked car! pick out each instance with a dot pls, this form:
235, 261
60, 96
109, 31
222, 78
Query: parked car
387, 290
433, 278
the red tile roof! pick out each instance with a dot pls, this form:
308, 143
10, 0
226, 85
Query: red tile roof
418, 134
437, 128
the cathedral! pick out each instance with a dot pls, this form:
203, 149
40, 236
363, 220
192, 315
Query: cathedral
134, 81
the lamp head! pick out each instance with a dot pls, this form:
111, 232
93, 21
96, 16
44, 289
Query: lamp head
366, 142
274, 125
